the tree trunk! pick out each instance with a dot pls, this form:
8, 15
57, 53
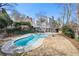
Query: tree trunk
77, 28
68, 13
64, 13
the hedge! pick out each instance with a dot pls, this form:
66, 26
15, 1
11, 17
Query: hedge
68, 32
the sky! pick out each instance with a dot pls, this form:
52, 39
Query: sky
31, 9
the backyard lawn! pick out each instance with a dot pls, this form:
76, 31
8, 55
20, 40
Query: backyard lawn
54, 46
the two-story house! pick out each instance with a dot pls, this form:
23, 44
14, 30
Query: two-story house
44, 24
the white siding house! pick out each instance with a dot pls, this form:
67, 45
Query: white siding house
44, 25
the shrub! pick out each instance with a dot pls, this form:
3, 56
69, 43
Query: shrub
16, 24
18, 31
3, 23
68, 32
78, 38
23, 31
9, 31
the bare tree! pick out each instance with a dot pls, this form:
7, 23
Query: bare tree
68, 13
77, 28
64, 13
41, 16
7, 6
15, 14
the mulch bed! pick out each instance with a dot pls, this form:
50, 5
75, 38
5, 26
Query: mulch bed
73, 41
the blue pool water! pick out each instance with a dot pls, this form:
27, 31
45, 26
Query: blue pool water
24, 41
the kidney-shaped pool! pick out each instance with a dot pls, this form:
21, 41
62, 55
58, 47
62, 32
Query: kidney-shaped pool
23, 44
24, 41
